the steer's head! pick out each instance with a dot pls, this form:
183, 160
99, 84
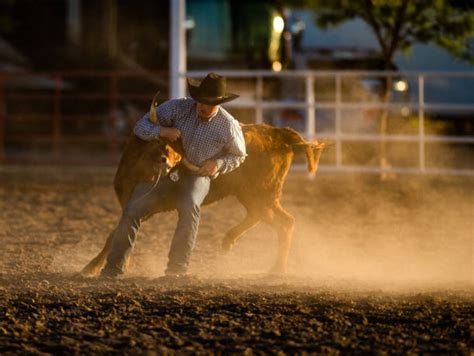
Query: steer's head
173, 154
170, 158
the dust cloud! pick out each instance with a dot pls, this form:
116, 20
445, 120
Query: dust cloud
409, 231
412, 230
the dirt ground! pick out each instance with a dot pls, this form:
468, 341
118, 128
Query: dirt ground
375, 267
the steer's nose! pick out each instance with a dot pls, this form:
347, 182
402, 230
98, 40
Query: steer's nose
165, 164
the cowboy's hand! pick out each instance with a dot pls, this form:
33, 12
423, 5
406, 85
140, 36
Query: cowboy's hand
208, 169
170, 133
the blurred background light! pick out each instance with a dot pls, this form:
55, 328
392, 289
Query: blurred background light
400, 85
276, 66
405, 111
278, 24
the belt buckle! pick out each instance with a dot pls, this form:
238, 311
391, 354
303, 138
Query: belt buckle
174, 176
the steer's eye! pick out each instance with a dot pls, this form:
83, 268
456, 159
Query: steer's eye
163, 159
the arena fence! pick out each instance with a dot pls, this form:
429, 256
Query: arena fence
85, 117
79, 117
408, 95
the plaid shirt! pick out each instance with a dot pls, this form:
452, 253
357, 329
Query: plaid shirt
220, 138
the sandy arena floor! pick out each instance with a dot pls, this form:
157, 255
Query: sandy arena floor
374, 267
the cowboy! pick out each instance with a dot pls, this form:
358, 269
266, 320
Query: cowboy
212, 140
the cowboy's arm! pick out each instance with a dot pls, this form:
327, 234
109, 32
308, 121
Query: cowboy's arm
234, 152
147, 130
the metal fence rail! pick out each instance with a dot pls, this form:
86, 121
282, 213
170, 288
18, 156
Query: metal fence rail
310, 104
51, 89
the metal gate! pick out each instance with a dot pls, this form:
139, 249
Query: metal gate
413, 102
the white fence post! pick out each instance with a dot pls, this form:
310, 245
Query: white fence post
338, 121
177, 55
310, 108
421, 122
259, 99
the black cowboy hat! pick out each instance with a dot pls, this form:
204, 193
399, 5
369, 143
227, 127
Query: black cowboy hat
210, 90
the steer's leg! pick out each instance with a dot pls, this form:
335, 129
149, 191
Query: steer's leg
234, 233
283, 223
94, 266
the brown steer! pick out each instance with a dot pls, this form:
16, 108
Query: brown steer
257, 183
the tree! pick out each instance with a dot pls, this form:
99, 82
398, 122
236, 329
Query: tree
398, 24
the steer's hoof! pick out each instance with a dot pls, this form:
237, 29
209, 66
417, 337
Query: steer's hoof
89, 271
79, 276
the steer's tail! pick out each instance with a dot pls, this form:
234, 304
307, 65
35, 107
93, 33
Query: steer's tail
312, 149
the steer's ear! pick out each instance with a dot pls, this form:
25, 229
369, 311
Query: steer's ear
322, 143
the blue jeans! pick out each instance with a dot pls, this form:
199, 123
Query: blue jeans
189, 193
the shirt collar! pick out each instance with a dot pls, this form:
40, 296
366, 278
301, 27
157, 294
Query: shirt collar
213, 116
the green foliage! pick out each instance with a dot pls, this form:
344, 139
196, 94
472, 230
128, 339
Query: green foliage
398, 24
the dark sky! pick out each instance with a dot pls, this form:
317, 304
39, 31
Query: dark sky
356, 33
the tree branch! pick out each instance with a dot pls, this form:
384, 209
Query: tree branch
374, 24
397, 29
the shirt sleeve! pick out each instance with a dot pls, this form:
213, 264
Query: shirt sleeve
234, 152
147, 131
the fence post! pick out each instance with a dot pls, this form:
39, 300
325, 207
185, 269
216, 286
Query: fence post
56, 137
3, 120
421, 122
310, 108
259, 99
338, 121
113, 146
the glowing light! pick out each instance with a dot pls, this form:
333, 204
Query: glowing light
400, 85
405, 111
276, 66
278, 24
